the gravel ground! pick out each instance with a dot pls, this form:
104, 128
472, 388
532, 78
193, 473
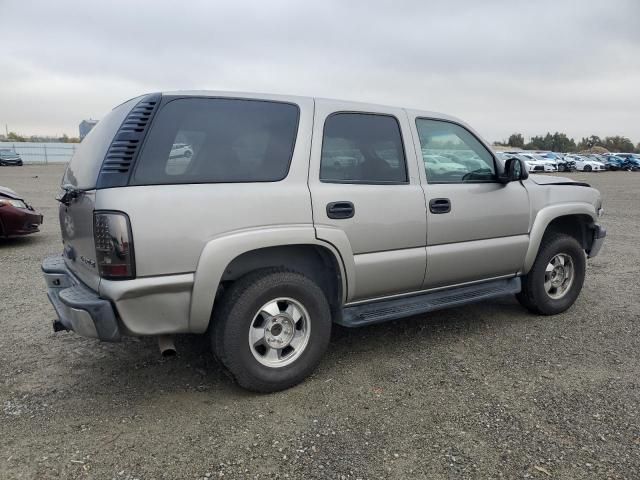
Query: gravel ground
484, 391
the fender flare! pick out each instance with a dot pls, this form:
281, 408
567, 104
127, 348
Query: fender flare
220, 251
542, 220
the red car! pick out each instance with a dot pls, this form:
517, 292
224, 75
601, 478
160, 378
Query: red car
17, 217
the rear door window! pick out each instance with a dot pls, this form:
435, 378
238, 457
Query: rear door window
362, 148
219, 140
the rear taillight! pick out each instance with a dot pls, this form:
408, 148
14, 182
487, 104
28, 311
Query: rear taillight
114, 245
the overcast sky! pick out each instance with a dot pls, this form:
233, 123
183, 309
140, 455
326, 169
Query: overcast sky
503, 66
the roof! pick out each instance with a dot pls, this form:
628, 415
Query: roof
299, 99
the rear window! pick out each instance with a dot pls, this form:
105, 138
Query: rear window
82, 171
218, 140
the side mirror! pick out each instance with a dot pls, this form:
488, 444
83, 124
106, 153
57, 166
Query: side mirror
514, 170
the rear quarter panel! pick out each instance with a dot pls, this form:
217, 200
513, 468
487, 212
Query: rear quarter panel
172, 225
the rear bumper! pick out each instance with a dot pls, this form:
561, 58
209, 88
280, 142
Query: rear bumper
599, 234
78, 307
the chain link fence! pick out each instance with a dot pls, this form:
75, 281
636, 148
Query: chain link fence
42, 153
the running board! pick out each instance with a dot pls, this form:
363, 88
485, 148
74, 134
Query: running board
384, 310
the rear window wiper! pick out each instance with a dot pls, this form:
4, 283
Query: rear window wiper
68, 194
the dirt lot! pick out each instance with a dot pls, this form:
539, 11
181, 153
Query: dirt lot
484, 391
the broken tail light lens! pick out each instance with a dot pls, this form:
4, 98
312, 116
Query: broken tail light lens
114, 245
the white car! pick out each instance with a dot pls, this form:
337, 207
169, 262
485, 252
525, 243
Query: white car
181, 150
440, 164
584, 164
549, 165
534, 162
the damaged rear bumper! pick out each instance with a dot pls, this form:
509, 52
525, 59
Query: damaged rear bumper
78, 307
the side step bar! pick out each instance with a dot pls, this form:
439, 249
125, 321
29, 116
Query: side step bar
384, 310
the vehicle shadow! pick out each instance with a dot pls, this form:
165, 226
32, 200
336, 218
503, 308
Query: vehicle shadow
135, 367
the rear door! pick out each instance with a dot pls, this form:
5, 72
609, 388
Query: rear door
477, 227
366, 193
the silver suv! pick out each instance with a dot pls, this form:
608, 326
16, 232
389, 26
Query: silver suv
288, 214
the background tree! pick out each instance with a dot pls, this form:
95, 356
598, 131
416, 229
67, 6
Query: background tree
14, 137
535, 143
618, 144
516, 140
558, 142
589, 142
562, 143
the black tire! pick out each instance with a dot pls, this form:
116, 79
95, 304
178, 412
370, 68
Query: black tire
233, 317
587, 168
533, 296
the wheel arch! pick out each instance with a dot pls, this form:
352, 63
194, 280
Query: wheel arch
315, 262
573, 219
233, 256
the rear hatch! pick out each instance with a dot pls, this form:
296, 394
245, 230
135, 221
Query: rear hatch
78, 193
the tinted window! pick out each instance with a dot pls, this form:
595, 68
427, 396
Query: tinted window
362, 148
451, 154
197, 140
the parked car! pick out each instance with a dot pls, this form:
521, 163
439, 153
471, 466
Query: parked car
179, 158
585, 164
566, 164
627, 156
266, 239
613, 162
9, 157
554, 158
632, 164
631, 161
532, 165
438, 164
559, 161
179, 150
17, 217
552, 162
465, 158
534, 161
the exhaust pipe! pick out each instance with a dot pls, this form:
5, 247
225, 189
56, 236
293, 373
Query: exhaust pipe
166, 345
58, 326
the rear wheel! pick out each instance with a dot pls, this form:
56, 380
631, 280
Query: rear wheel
555, 280
271, 329
587, 168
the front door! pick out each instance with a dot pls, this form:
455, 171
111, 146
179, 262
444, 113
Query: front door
477, 228
366, 196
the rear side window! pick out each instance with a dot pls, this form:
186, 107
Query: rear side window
362, 148
217, 140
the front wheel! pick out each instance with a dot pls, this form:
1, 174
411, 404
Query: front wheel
271, 329
555, 280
